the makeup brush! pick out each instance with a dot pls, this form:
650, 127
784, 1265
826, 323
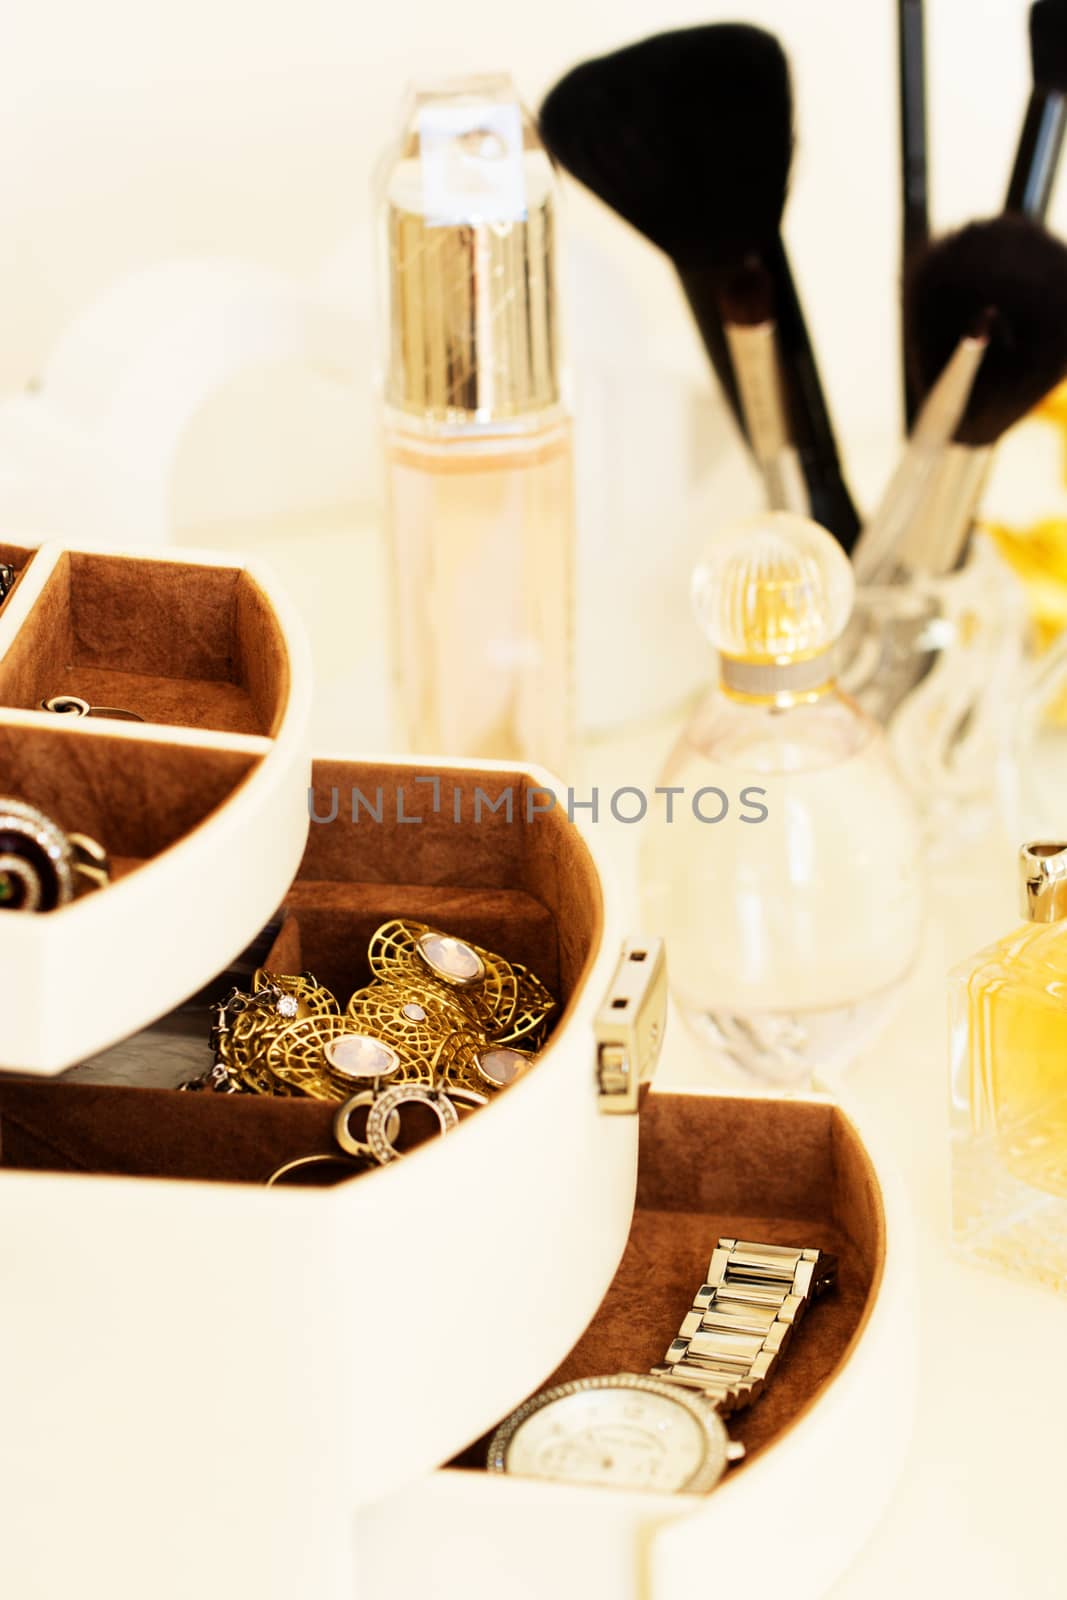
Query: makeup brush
939, 416
747, 305
1041, 141
688, 135
1013, 270
915, 220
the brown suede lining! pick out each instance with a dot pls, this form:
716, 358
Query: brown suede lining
526, 887
190, 646
136, 798
15, 555
336, 921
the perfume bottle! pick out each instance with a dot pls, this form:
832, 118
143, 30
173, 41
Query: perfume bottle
477, 439
1008, 1012
782, 861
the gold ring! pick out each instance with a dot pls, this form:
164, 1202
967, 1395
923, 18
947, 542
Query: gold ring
342, 1124
281, 1177
380, 1134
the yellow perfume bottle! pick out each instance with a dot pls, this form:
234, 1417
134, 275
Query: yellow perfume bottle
1009, 1084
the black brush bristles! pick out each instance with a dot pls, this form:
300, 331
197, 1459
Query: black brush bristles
689, 136
1010, 267
679, 129
1048, 44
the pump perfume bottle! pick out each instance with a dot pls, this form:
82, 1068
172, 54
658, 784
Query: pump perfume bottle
783, 864
478, 445
1009, 1084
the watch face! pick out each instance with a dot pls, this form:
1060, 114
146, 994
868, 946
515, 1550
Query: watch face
626, 1432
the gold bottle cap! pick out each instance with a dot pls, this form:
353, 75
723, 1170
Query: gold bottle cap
773, 596
470, 208
1043, 881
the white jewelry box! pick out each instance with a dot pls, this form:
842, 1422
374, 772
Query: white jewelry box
202, 806
226, 1374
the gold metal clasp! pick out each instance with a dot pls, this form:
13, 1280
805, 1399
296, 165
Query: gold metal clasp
630, 1024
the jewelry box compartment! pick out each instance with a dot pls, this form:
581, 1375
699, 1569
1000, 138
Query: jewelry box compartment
175, 642
246, 1336
140, 798
825, 1441
118, 1114
791, 1173
194, 825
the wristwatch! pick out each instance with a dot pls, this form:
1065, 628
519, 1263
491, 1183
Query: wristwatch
664, 1431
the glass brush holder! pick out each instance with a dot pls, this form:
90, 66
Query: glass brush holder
1008, 1012
781, 857
941, 661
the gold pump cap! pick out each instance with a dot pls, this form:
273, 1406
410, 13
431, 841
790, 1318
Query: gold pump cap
470, 215
1043, 882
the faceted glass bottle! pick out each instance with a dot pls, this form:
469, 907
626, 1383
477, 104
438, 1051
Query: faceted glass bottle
477, 441
784, 870
1008, 1009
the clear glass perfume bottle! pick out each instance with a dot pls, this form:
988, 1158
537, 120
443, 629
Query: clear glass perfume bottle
783, 870
478, 445
1009, 1084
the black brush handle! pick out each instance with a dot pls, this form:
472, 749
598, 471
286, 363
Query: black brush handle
1038, 157
810, 424
703, 288
915, 220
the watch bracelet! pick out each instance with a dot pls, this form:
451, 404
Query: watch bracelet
742, 1318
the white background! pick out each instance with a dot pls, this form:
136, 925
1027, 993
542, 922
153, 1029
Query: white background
131, 132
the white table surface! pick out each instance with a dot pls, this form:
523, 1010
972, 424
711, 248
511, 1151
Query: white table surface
978, 1510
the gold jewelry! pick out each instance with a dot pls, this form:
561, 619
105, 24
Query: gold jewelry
342, 1124
414, 1017
402, 952
292, 1173
507, 1001
311, 997
387, 1106
243, 1024
443, 1024
243, 1050
467, 1062
324, 1056
350, 1142
533, 1006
